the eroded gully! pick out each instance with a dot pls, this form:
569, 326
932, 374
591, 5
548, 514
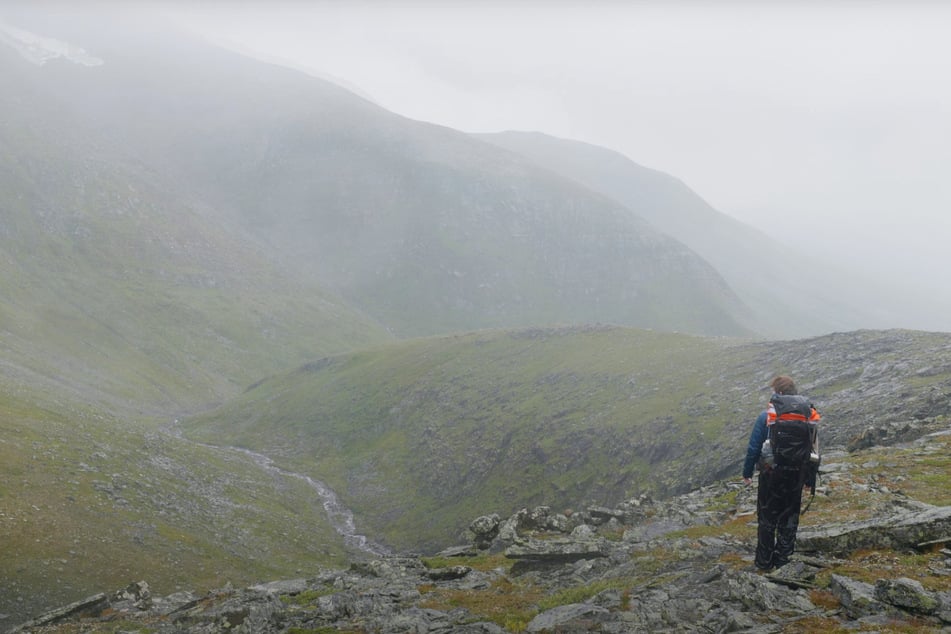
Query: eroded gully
341, 518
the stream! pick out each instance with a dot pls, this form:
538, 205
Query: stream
341, 518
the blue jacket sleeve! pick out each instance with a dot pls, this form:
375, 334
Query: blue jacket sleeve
757, 436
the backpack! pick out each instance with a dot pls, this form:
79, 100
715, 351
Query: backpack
791, 420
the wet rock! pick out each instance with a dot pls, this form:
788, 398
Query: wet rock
136, 595
758, 593
90, 606
508, 530
459, 551
577, 617
536, 519
288, 587
583, 532
484, 529
601, 515
857, 597
557, 550
795, 574
907, 594
179, 601
448, 574
559, 522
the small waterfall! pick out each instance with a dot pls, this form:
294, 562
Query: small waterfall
341, 518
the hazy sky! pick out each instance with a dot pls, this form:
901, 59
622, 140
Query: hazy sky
833, 119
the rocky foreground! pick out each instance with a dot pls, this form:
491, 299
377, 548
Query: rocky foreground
869, 558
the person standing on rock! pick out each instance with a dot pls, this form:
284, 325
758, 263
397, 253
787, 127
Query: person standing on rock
783, 446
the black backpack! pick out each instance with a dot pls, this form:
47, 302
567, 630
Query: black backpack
792, 429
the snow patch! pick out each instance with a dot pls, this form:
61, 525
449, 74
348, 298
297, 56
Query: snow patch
39, 49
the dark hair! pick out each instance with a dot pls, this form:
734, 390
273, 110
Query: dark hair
783, 384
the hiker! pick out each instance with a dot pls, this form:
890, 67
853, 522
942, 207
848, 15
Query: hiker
787, 465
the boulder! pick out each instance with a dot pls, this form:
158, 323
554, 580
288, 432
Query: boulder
601, 515
757, 593
508, 530
137, 595
577, 617
484, 529
537, 518
907, 594
857, 597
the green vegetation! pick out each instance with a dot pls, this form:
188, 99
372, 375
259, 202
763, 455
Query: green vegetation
484, 562
508, 603
870, 566
420, 436
486, 421
121, 289
308, 598
580, 594
91, 502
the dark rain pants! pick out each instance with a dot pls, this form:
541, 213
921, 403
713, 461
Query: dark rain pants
778, 504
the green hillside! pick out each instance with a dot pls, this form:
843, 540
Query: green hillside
89, 501
419, 437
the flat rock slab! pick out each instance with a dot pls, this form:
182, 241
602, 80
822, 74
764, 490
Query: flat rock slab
557, 550
907, 530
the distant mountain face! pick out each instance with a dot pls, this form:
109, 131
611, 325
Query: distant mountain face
118, 286
790, 287
422, 228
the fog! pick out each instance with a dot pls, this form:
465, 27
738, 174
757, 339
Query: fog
826, 122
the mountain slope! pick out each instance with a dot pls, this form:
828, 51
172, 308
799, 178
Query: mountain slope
421, 227
791, 289
90, 500
415, 435
115, 284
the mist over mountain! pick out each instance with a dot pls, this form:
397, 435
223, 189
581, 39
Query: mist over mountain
421, 227
115, 278
794, 286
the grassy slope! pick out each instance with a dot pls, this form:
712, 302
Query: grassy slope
426, 432
89, 501
122, 299
115, 287
421, 436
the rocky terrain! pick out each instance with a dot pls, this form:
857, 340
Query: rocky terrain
874, 554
